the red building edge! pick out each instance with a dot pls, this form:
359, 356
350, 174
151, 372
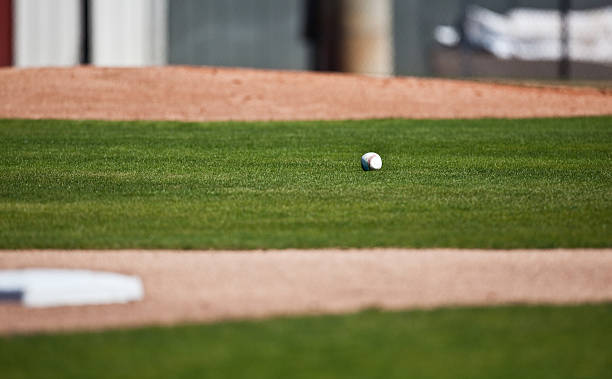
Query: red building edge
6, 32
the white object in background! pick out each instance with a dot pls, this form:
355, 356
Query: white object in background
129, 33
47, 33
371, 161
39, 287
535, 34
447, 35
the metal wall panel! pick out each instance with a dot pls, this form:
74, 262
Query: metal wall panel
129, 33
251, 33
47, 33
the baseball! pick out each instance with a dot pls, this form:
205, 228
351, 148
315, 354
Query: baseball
371, 161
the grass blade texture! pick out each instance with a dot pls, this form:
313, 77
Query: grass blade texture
536, 183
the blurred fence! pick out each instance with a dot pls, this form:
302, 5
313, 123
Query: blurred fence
539, 39
402, 37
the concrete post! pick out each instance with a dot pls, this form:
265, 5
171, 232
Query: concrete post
366, 28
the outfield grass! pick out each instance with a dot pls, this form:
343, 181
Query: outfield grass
508, 342
537, 183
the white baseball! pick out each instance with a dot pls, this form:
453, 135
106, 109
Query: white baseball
371, 161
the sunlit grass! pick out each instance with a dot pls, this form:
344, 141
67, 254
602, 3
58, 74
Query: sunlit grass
538, 183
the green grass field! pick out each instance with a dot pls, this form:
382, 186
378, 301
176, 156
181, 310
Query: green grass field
537, 183
508, 342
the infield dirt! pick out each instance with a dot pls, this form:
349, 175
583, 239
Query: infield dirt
183, 286
210, 94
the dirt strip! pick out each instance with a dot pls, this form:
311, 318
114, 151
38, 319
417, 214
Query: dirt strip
206, 94
207, 286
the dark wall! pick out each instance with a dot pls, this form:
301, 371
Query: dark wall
250, 33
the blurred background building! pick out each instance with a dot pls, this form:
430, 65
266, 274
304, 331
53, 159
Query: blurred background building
539, 39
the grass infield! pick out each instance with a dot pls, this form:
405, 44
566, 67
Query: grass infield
506, 342
535, 183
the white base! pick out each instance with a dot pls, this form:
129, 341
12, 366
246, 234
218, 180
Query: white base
42, 287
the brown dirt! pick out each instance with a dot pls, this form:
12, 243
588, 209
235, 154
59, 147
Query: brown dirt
206, 286
203, 94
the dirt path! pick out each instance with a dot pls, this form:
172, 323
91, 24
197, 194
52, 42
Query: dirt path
206, 286
201, 94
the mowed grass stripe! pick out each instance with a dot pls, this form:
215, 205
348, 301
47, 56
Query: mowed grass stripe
536, 183
506, 342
